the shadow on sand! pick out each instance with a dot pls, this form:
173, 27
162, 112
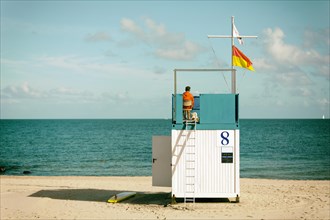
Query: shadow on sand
98, 195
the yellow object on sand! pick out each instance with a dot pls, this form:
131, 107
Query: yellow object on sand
121, 196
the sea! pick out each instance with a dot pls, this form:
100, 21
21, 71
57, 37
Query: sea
296, 149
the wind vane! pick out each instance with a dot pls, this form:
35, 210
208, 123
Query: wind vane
247, 62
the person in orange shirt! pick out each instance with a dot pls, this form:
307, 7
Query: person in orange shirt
188, 103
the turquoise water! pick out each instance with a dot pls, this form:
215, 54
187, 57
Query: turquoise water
276, 149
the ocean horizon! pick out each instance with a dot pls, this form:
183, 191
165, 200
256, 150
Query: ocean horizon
269, 148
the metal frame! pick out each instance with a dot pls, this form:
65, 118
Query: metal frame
233, 80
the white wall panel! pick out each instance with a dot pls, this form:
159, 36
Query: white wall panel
212, 177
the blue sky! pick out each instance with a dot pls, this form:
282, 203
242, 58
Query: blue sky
115, 59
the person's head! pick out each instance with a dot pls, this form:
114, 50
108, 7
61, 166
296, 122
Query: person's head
187, 88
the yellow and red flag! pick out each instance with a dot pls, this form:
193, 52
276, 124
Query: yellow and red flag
239, 59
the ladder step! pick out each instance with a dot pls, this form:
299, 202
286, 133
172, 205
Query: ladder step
190, 184
191, 153
186, 135
190, 195
190, 160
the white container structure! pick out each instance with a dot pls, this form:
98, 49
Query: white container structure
202, 166
200, 159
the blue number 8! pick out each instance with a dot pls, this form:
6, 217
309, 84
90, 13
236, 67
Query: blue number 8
224, 136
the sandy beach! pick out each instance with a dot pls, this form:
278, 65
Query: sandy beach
31, 197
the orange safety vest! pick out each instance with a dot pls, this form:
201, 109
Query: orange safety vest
188, 100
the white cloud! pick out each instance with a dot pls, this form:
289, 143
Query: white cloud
187, 51
159, 70
280, 103
168, 45
69, 62
291, 69
292, 78
67, 92
303, 91
122, 97
12, 63
98, 37
280, 51
23, 91
158, 34
91, 66
263, 64
317, 38
281, 54
322, 71
324, 102
129, 25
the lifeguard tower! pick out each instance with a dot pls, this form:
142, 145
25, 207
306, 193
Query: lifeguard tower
201, 158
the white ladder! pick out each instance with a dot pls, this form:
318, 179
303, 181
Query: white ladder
190, 163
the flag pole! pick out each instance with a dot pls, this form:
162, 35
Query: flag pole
233, 72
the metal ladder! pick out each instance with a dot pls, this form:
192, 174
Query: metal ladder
190, 163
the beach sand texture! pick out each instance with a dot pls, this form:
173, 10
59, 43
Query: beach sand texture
31, 197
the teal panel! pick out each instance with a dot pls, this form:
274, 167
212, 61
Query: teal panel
217, 108
178, 116
230, 126
215, 111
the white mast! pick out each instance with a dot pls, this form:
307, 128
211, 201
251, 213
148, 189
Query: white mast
233, 71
